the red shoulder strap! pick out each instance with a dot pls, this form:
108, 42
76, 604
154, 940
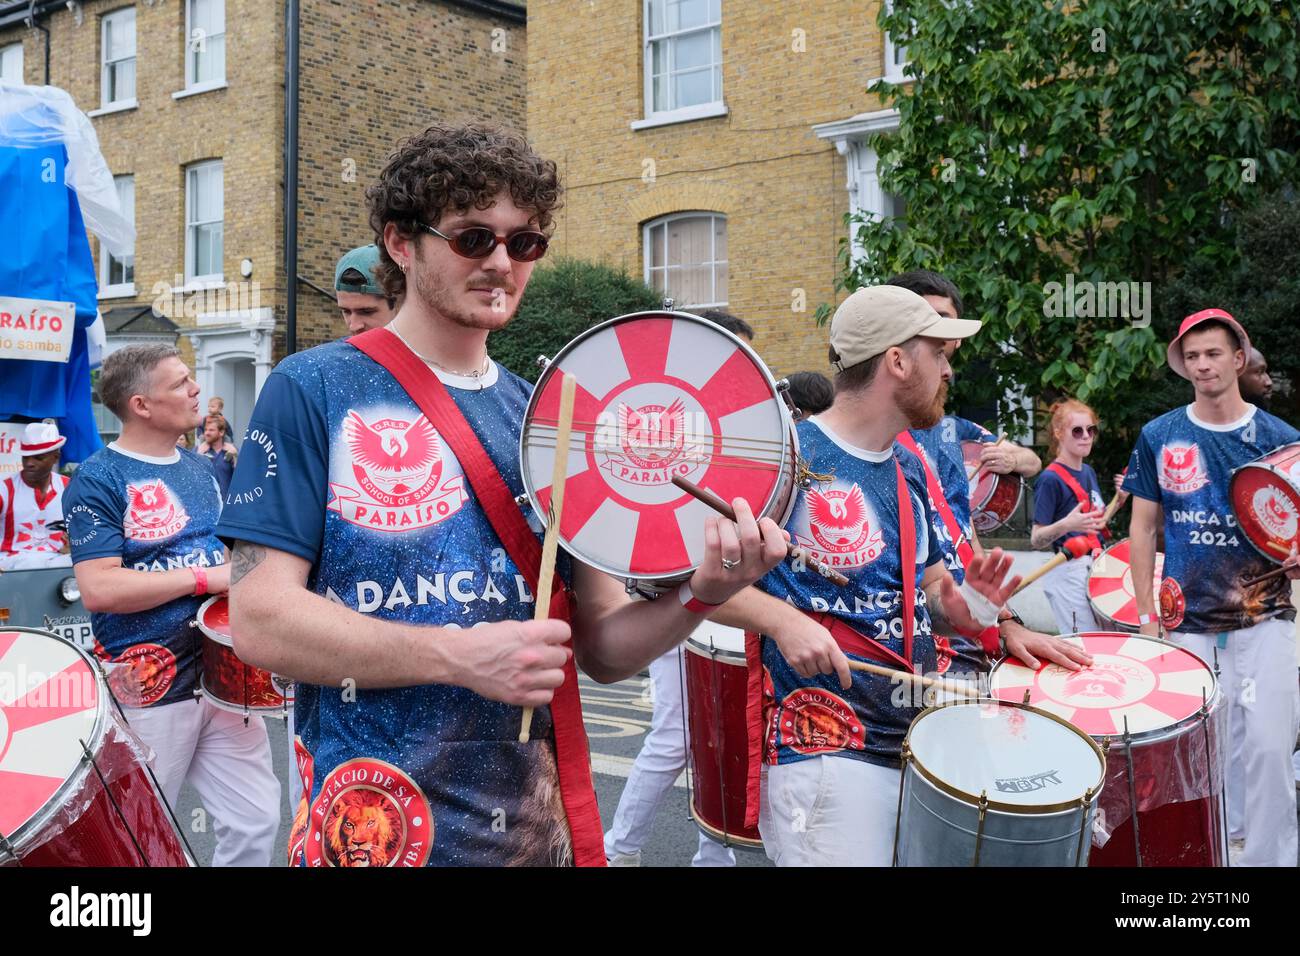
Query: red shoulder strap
1060, 471
907, 547
964, 550
571, 751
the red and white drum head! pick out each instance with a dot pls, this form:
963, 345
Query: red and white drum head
50, 701
1265, 497
1110, 585
1153, 684
214, 619
658, 394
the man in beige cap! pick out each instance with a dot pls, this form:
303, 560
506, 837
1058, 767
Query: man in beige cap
831, 737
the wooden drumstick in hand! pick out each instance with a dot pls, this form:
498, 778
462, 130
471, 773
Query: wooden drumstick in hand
563, 432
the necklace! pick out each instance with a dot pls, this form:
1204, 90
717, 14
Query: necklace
479, 373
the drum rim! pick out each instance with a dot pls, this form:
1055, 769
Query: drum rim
980, 508
1013, 809
36, 822
1232, 483
789, 436
1098, 612
225, 640
722, 836
1156, 735
274, 710
712, 652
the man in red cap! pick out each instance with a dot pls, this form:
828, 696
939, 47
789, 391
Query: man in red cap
1179, 473
32, 502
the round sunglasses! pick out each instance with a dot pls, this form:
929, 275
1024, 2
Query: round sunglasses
1078, 431
478, 242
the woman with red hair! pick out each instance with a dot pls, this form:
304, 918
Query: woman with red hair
1067, 513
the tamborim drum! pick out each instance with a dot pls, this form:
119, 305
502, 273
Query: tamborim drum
1110, 587
715, 700
1265, 496
659, 394
992, 783
227, 681
994, 498
75, 789
1157, 712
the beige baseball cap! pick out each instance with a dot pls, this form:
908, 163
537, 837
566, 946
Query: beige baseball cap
882, 316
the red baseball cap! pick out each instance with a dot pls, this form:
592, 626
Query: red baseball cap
1175, 353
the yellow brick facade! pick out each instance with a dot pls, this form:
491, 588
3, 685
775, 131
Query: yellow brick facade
786, 67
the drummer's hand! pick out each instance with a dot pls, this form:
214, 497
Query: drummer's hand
1292, 564
516, 662
219, 579
998, 459
1119, 488
811, 650
987, 574
1032, 648
759, 546
1082, 522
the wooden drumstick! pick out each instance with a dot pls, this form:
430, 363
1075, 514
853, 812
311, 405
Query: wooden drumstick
1266, 576
563, 432
724, 509
1055, 561
893, 672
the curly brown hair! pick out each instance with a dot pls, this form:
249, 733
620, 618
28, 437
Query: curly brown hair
456, 168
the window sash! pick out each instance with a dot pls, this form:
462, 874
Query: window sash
690, 267
205, 57
667, 84
205, 220
11, 63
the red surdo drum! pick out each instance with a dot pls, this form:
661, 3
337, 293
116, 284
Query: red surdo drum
659, 395
1156, 711
716, 681
994, 498
75, 788
1265, 495
227, 681
1110, 587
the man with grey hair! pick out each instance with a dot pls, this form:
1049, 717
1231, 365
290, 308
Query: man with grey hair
142, 516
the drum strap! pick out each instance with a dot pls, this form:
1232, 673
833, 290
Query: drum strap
571, 750
1060, 471
990, 637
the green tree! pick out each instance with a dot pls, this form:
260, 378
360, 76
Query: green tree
565, 297
1110, 140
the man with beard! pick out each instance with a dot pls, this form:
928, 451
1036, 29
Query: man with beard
368, 564
1179, 474
831, 737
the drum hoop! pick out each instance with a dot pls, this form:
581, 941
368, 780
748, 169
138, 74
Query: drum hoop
224, 639
1213, 701
1092, 602
695, 646
272, 710
720, 836
1232, 481
1010, 808
789, 437
36, 823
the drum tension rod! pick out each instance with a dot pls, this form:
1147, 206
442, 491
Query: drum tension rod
1132, 794
1084, 803
9, 848
979, 831
113, 800
1209, 778
905, 758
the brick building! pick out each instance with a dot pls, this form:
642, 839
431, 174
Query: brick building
187, 99
714, 147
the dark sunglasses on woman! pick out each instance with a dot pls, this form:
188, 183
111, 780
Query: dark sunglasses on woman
1078, 431
478, 242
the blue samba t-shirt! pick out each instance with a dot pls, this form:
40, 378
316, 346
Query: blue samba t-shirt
852, 524
1053, 500
340, 468
155, 514
1184, 465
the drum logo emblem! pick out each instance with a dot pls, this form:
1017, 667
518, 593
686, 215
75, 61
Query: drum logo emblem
1181, 471
140, 675
841, 528
1110, 681
654, 442
1037, 781
152, 512
1275, 513
1172, 603
811, 720
398, 469
369, 813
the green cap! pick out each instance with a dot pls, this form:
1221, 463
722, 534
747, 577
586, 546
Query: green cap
363, 259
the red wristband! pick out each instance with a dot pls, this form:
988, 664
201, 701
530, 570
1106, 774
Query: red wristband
200, 581
692, 603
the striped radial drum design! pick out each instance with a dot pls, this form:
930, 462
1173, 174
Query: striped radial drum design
1110, 587
1265, 495
659, 395
1156, 711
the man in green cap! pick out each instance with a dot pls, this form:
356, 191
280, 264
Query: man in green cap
361, 300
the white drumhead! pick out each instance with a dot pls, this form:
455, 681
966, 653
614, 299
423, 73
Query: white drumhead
712, 639
1014, 754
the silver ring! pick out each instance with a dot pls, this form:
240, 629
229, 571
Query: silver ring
728, 565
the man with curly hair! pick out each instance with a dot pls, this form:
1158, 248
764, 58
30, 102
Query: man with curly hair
367, 567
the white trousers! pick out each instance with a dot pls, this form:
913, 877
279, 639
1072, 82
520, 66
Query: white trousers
657, 766
228, 764
1066, 588
829, 811
1257, 673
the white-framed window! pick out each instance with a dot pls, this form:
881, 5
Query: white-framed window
117, 273
11, 63
686, 258
683, 58
205, 44
204, 221
117, 58
895, 53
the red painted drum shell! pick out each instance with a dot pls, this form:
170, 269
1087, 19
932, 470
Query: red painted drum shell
1265, 498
